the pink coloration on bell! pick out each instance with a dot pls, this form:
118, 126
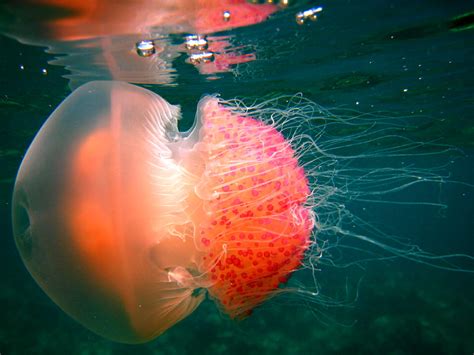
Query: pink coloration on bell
125, 222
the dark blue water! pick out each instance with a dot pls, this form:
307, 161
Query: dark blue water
405, 58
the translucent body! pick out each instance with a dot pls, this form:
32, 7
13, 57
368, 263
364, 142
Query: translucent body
123, 220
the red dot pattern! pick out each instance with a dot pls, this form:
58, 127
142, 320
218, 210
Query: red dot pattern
254, 194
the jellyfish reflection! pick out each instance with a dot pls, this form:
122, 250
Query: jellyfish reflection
98, 38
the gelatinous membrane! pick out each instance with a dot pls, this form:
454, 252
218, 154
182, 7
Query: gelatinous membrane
125, 222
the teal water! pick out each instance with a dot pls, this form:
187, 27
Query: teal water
405, 58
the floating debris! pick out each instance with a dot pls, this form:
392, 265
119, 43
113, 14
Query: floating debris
145, 48
196, 42
203, 57
311, 14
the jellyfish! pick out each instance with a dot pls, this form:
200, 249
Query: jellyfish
127, 223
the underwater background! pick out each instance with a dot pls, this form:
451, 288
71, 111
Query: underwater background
403, 58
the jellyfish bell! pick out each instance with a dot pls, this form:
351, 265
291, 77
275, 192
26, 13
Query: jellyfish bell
127, 223
91, 218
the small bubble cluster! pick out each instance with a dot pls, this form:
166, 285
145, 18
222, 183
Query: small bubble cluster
254, 193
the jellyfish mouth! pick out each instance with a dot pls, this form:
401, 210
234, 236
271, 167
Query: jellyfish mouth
182, 276
22, 225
